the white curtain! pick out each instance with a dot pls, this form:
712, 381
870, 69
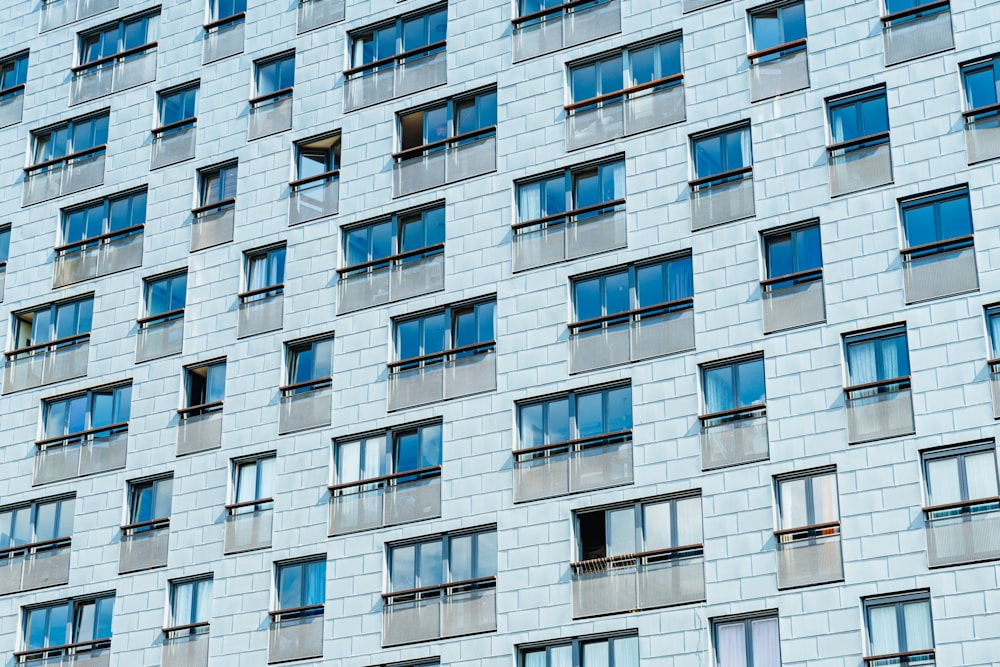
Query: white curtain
794, 513
529, 201
689, 521
825, 497
656, 526
889, 352
626, 651
595, 654
766, 646
561, 656
861, 363
994, 324
882, 630
618, 174
719, 389
745, 149
349, 462
981, 475
943, 484
732, 647
917, 620
182, 606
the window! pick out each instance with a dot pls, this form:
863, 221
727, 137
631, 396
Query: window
423, 33
467, 328
661, 525
253, 480
450, 558
13, 74
76, 621
190, 604
476, 113
265, 273
585, 414
39, 521
275, 77
900, 624
121, 215
310, 364
942, 220
807, 501
666, 282
981, 80
408, 232
877, 357
778, 25
4, 250
957, 477
587, 191
613, 651
993, 333
53, 322
735, 387
635, 65
316, 158
859, 120
747, 642
218, 186
79, 135
223, 9
300, 583
896, 6
94, 409
792, 255
178, 105
166, 295
149, 500
205, 385
397, 450
721, 155
125, 36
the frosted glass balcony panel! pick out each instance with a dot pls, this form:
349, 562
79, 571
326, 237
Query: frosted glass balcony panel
860, 169
779, 74
143, 549
159, 339
318, 13
878, 416
790, 306
295, 638
917, 36
940, 274
173, 147
810, 561
223, 41
734, 442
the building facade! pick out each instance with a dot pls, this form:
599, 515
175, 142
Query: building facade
485, 334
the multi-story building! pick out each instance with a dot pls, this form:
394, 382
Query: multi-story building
493, 334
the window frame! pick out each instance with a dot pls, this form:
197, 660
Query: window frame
728, 173
272, 260
15, 544
914, 11
629, 81
225, 173
530, 450
331, 160
174, 630
162, 96
397, 230
967, 505
136, 490
389, 472
748, 634
306, 608
42, 161
991, 312
265, 94
5, 232
943, 243
148, 285
52, 340
195, 407
571, 177
258, 503
451, 123
398, 25
214, 13
973, 113
121, 403
798, 275
881, 384
576, 648
838, 146
784, 46
735, 412
149, 19
897, 600
133, 198
813, 528
293, 350
449, 349
14, 66
71, 628
448, 585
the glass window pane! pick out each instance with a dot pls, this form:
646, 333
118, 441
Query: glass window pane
583, 82
719, 390
619, 409
316, 585
431, 564
917, 622
766, 649
290, 586
766, 29
486, 554
621, 531
825, 498
532, 425
944, 485
980, 87
731, 650
402, 572
779, 255
919, 225
616, 293
650, 285
793, 22
793, 504
688, 521
708, 156
595, 654
751, 382
590, 415
656, 526
460, 558
954, 217
882, 635
587, 298
557, 421
981, 475
642, 63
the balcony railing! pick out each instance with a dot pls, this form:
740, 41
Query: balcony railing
318, 13
29, 566
387, 78
982, 133
94, 653
778, 70
733, 437
963, 532
907, 659
403, 497
160, 335
393, 278
878, 410
270, 114
694, 5
64, 175
173, 143
45, 363
859, 164
584, 231
144, 545
435, 612
261, 310
199, 428
11, 105
224, 38
721, 198
314, 197
573, 466
565, 25
461, 371
809, 555
447, 161
938, 269
85, 453
111, 74
793, 300
57, 13
625, 112
248, 525
213, 224
647, 580
295, 634
632, 335
917, 31
97, 256
185, 645
305, 405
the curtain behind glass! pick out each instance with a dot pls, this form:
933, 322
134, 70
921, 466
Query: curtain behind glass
529, 201
732, 645
882, 634
861, 363
766, 647
917, 621
625, 651
981, 475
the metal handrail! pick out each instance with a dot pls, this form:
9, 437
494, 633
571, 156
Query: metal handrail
905, 379
420, 50
624, 92
248, 503
182, 628
889, 656
318, 383
304, 610
163, 522
441, 355
424, 472
127, 231
624, 560
168, 315
66, 158
672, 306
960, 505
756, 407
277, 288
912, 11
420, 150
222, 203
880, 137
94, 64
103, 642
426, 250
52, 343
961, 241
565, 444
44, 545
439, 587
270, 96
809, 275
721, 176
79, 435
614, 203
809, 529
213, 406
239, 16
175, 125
318, 177
771, 50
518, 20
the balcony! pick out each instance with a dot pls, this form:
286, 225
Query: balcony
793, 300
79, 454
938, 269
121, 71
224, 38
185, 646
908, 659
809, 555
160, 335
248, 525
95, 653
734, 437
561, 468
982, 133
461, 371
436, 612
11, 105
446, 161
261, 310
392, 278
395, 76
46, 363
647, 580
859, 164
98, 256
144, 545
199, 428
778, 70
295, 634
315, 197
965, 532
626, 112
173, 143
38, 565
270, 114
633, 335
917, 31
568, 24
305, 405
318, 13
404, 497
64, 175
57, 13
584, 231
878, 410
213, 224
722, 198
